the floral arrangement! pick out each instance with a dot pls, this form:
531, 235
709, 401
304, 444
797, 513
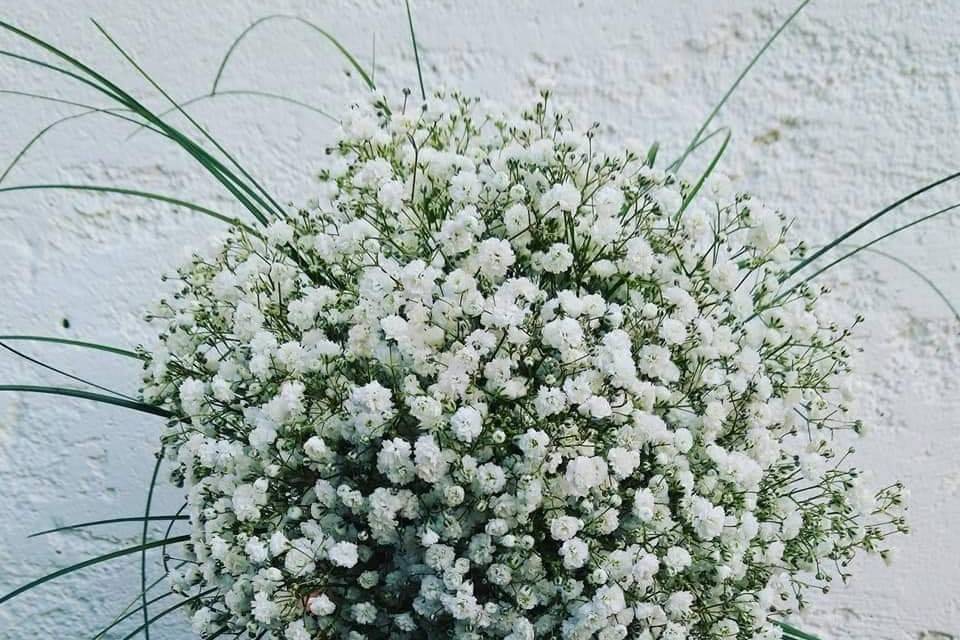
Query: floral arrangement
501, 379
499, 383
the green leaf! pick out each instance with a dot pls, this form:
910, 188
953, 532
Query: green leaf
336, 43
736, 83
95, 523
89, 563
76, 343
652, 154
87, 395
139, 194
416, 50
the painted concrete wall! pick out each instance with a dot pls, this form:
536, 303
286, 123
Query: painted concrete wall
855, 106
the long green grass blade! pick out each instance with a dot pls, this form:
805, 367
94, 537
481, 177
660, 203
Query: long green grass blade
673, 166
131, 609
89, 563
52, 67
736, 83
97, 523
706, 174
939, 292
231, 182
899, 229
167, 611
75, 343
416, 49
854, 229
239, 92
139, 194
143, 552
270, 203
36, 138
61, 372
125, 614
336, 43
88, 395
933, 287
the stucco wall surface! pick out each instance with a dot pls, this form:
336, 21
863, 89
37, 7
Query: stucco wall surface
856, 105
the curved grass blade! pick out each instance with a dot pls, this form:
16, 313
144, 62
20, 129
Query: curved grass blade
177, 516
76, 343
336, 43
736, 83
63, 373
88, 395
856, 250
89, 563
706, 174
673, 166
63, 120
139, 194
854, 229
168, 611
52, 67
416, 50
40, 96
143, 552
130, 609
125, 614
230, 181
96, 523
277, 209
238, 92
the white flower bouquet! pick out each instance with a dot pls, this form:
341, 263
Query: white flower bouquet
500, 379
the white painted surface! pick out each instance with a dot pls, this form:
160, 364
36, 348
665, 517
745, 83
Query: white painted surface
856, 105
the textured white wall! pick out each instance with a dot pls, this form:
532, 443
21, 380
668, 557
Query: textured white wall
856, 105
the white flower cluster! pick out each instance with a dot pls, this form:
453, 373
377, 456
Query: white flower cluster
497, 383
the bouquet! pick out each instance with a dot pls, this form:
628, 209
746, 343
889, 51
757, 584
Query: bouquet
501, 378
